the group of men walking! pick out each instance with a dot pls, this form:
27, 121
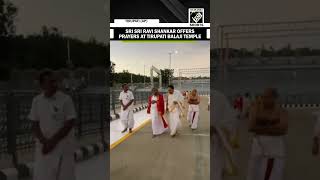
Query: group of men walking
53, 115
165, 111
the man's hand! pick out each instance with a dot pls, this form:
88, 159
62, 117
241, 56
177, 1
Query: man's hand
48, 146
153, 101
58, 136
43, 140
315, 147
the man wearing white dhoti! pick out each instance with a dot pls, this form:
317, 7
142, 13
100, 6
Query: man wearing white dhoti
126, 115
53, 115
193, 111
269, 123
156, 109
174, 107
224, 120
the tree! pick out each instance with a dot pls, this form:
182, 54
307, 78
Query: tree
166, 75
8, 12
272, 51
286, 51
303, 51
92, 40
112, 72
289, 51
45, 31
55, 31
51, 31
243, 52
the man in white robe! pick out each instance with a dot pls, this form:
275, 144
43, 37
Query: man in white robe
53, 115
174, 120
269, 124
156, 110
126, 115
224, 119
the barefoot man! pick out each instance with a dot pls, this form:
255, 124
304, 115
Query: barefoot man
174, 107
53, 115
126, 100
156, 109
193, 111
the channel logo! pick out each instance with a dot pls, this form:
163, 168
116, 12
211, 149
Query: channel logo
196, 15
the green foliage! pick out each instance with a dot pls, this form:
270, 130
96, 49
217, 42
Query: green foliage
125, 77
8, 12
49, 50
167, 74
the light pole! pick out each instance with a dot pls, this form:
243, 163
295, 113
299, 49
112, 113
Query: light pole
144, 76
71, 82
69, 62
295, 81
170, 54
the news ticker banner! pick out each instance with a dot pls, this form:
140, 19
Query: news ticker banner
152, 29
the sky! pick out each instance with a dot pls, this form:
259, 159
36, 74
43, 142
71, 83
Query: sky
81, 19
253, 11
133, 56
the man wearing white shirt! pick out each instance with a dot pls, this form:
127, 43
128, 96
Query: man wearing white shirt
224, 119
53, 115
126, 101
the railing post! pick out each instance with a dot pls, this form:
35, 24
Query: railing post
113, 101
102, 116
78, 103
141, 97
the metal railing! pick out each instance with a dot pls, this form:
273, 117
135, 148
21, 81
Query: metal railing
307, 98
141, 97
16, 128
142, 91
